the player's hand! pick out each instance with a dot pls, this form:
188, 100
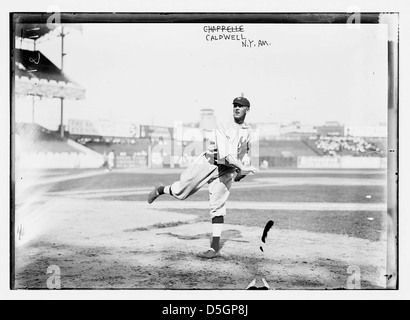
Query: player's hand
248, 170
239, 176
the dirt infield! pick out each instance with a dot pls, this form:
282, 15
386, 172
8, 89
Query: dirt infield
113, 244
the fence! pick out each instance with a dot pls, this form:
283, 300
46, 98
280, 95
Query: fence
277, 161
130, 161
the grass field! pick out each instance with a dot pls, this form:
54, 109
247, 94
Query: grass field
147, 178
313, 187
99, 229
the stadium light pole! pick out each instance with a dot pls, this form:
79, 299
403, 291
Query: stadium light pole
62, 99
33, 96
32, 108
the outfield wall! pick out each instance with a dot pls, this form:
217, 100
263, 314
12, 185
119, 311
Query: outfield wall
342, 162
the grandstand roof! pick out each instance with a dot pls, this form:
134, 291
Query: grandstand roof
37, 75
32, 31
36, 31
27, 61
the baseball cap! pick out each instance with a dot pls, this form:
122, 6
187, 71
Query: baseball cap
242, 101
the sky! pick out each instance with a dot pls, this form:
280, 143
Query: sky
158, 74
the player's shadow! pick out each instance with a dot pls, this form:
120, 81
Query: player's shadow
227, 235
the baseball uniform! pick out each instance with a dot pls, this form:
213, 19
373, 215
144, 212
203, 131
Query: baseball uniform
212, 167
226, 154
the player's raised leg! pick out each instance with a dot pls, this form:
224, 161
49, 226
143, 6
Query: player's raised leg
191, 180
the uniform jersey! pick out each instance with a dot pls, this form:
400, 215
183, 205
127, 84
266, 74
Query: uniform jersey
232, 139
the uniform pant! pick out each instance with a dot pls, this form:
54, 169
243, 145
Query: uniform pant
202, 171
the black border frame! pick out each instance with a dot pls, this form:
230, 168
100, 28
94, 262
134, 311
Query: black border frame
226, 17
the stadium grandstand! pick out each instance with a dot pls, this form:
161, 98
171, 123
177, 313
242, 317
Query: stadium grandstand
40, 139
36, 76
350, 146
150, 146
136, 146
40, 148
284, 153
293, 144
128, 153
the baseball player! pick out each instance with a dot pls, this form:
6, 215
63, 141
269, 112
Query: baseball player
226, 159
111, 160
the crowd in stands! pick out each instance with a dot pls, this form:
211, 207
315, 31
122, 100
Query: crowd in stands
355, 146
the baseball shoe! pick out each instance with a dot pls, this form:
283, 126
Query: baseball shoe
210, 254
153, 194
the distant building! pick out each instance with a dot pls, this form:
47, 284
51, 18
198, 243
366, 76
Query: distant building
379, 131
156, 133
188, 133
277, 131
207, 120
80, 128
267, 130
297, 130
331, 129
